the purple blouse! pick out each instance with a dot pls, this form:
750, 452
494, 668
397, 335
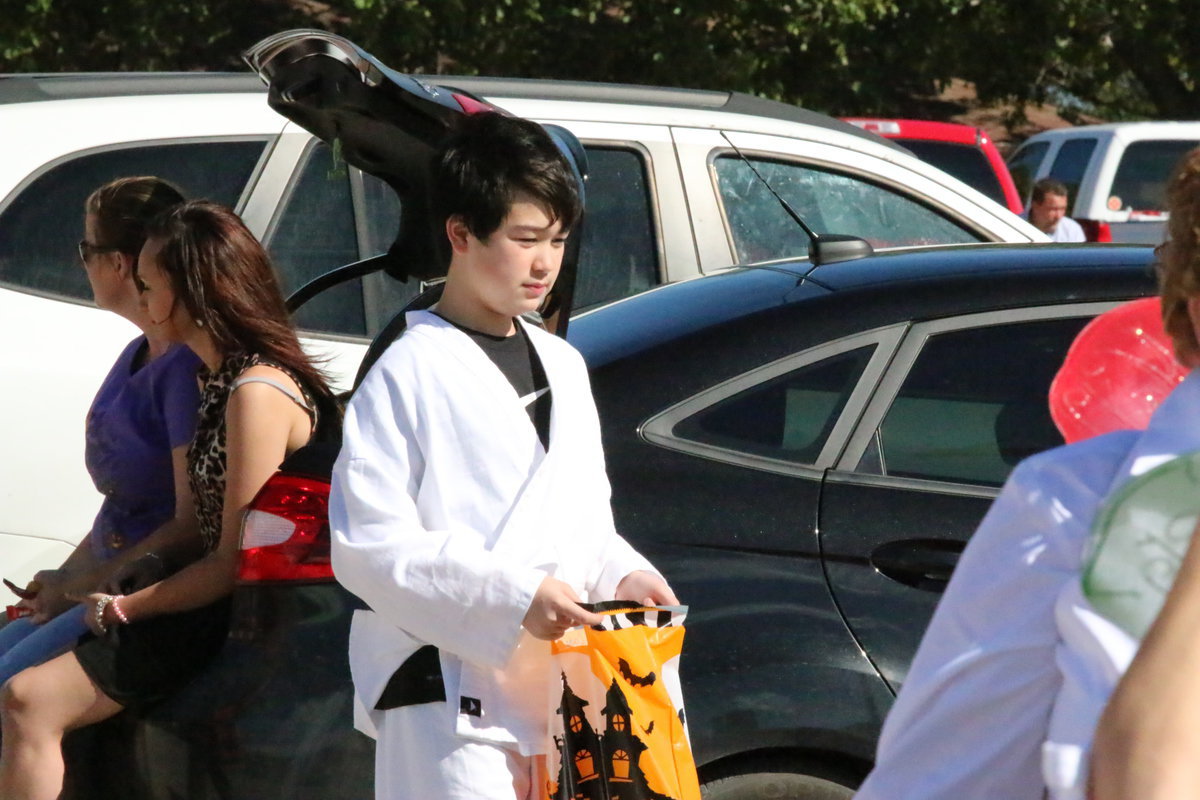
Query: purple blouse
138, 417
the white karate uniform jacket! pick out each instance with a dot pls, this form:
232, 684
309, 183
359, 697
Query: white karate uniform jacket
1004, 693
446, 514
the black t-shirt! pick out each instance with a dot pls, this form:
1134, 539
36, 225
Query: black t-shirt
516, 357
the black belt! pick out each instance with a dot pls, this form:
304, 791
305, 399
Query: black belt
418, 680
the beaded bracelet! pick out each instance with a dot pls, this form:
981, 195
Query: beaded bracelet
102, 604
117, 610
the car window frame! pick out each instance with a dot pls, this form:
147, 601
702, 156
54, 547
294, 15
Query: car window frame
652, 190
268, 140
372, 290
945, 212
906, 354
659, 428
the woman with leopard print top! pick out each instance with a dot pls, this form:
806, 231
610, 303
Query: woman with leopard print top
206, 282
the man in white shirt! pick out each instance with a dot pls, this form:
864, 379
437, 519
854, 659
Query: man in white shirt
1048, 212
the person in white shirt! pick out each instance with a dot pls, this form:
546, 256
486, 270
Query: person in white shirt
1148, 738
470, 505
1011, 678
1048, 212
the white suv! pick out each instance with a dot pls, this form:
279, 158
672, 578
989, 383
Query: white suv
1116, 174
670, 196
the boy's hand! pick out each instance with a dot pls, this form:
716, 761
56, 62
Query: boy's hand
554, 609
646, 588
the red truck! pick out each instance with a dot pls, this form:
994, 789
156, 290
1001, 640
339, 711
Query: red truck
964, 151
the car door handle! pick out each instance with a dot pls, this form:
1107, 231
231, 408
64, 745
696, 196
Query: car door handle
924, 564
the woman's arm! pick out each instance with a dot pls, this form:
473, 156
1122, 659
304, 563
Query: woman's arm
57, 586
1147, 743
175, 541
262, 426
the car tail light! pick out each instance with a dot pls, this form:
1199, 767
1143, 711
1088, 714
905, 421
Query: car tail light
1095, 230
285, 533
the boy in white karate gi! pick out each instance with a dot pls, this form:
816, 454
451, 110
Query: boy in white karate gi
470, 506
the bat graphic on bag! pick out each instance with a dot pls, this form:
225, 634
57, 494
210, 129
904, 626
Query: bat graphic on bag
634, 680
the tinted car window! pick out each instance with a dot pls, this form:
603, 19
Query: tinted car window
1071, 163
1023, 166
41, 224
379, 225
968, 164
974, 404
619, 253
788, 417
381, 216
1141, 180
314, 233
829, 202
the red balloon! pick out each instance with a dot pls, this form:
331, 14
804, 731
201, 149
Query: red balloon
1117, 371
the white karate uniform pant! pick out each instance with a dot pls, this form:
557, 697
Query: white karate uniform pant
418, 757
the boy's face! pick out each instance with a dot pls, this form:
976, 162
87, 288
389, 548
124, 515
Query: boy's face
508, 273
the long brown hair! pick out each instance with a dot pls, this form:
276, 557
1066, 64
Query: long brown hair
226, 282
123, 208
1179, 258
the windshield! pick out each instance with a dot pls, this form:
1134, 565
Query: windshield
964, 162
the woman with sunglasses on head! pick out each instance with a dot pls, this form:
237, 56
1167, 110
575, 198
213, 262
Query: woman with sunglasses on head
206, 282
137, 433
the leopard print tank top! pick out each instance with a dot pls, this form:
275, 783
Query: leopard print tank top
206, 455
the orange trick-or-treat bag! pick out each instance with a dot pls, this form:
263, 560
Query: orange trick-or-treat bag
620, 731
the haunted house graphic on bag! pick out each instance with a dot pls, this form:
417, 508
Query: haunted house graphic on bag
620, 733
602, 765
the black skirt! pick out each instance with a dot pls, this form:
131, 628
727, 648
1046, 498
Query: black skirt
143, 663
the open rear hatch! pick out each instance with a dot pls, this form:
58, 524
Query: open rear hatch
389, 125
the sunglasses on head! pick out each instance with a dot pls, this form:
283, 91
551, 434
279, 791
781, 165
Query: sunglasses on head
87, 249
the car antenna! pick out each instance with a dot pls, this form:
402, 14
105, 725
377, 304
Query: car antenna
826, 248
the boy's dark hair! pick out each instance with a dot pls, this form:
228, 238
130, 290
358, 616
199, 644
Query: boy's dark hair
489, 161
1048, 186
